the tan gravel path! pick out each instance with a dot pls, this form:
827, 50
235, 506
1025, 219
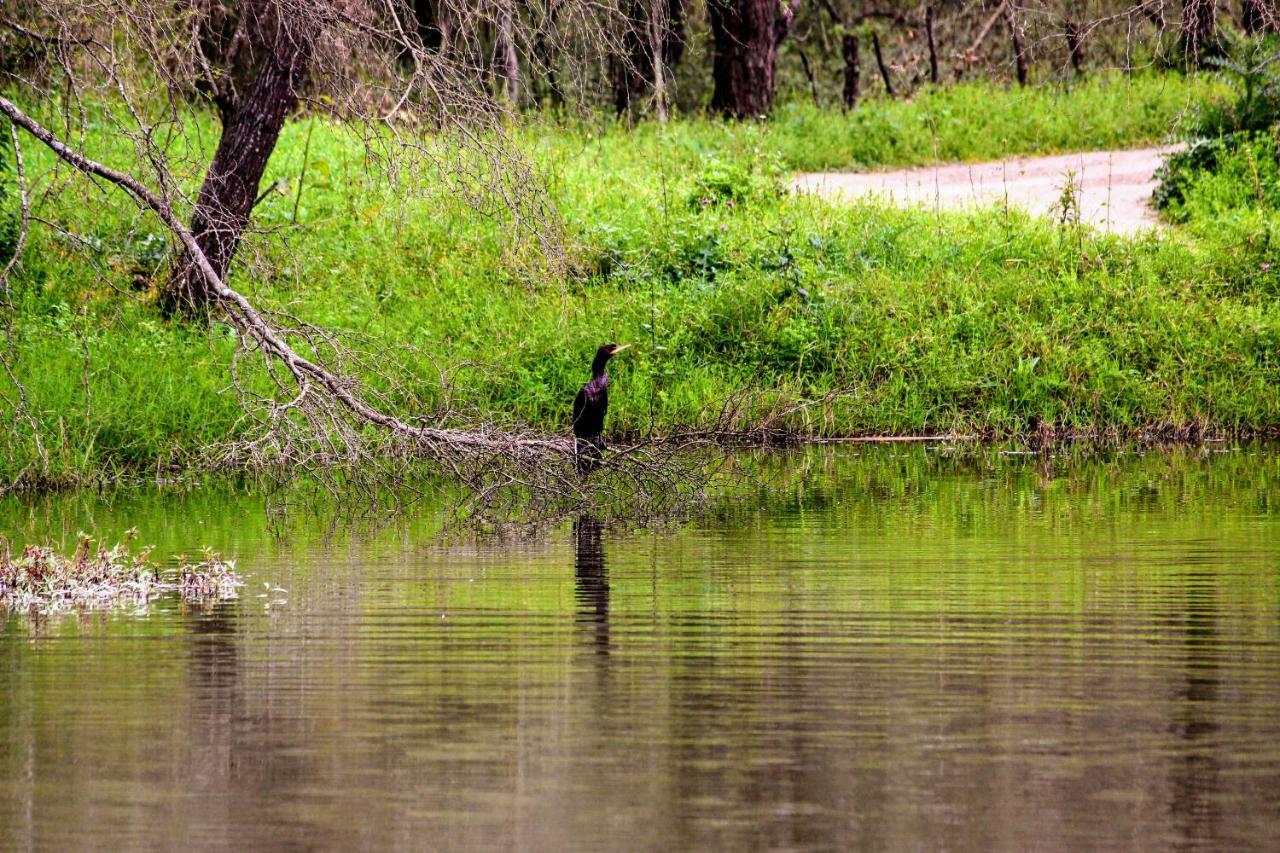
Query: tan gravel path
1115, 186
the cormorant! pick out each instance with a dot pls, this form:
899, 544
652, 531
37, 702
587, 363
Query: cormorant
589, 408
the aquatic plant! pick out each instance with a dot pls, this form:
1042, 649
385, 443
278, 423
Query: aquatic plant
96, 576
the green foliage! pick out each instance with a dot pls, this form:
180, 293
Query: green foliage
1248, 65
1219, 174
976, 323
973, 121
731, 183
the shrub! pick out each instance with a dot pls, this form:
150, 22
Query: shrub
1212, 176
1249, 67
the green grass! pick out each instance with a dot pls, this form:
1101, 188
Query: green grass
684, 245
978, 121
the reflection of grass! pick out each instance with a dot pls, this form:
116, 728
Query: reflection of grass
880, 538
96, 576
970, 323
881, 534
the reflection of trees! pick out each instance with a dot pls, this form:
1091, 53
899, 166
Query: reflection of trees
240, 753
1195, 776
216, 697
591, 579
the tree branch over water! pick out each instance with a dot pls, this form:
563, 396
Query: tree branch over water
318, 427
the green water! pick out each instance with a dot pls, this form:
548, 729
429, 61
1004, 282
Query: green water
886, 648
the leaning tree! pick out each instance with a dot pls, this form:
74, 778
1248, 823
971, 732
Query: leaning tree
139, 70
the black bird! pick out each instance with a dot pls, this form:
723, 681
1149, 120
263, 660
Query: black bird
589, 408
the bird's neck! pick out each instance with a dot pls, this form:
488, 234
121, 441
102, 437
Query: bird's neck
598, 368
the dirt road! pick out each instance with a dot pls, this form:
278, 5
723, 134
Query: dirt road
1114, 186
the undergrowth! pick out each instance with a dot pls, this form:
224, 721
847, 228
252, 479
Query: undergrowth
685, 243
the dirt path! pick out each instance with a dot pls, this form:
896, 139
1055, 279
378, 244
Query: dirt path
1115, 186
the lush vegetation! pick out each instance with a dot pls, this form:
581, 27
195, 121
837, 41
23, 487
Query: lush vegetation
684, 242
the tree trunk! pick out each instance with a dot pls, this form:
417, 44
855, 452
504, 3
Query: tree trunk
657, 31
251, 124
508, 64
432, 19
808, 75
1198, 30
627, 71
849, 50
1019, 54
8, 202
933, 45
652, 28
745, 36
1075, 47
884, 69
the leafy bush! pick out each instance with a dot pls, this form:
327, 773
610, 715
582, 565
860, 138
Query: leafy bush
1249, 67
1212, 176
1181, 168
731, 183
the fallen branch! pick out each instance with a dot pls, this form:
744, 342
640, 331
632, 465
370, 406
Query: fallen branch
314, 417
246, 317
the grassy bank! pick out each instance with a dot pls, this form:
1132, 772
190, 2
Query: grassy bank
685, 245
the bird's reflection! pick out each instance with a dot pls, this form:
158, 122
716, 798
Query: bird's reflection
591, 580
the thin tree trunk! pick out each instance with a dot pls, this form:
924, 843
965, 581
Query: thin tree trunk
884, 69
808, 73
933, 46
850, 50
250, 129
508, 58
658, 25
652, 42
1019, 56
745, 37
1075, 47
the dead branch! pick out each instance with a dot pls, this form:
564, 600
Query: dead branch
319, 424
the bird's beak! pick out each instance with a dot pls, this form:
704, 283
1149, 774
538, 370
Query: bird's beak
620, 348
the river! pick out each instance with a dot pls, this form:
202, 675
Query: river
886, 648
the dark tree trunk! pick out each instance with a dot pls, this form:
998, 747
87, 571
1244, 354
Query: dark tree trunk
1075, 46
433, 24
627, 72
1198, 30
850, 50
251, 123
884, 69
1019, 54
746, 35
933, 46
808, 73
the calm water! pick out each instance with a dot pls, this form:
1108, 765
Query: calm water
894, 650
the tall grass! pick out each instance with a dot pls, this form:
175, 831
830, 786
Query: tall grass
683, 243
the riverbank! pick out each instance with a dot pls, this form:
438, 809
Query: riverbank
680, 240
